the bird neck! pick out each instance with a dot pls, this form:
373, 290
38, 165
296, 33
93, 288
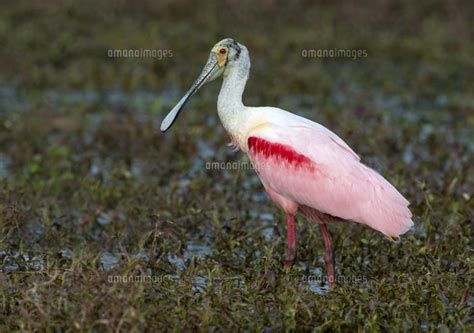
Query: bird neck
229, 104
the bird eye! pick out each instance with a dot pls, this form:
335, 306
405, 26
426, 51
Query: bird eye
222, 51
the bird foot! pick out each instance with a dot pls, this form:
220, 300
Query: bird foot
290, 258
289, 263
330, 280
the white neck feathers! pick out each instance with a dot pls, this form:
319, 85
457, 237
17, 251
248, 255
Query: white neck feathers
229, 103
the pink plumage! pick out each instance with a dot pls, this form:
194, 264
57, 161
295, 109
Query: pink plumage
307, 167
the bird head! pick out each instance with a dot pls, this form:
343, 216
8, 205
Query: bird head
224, 53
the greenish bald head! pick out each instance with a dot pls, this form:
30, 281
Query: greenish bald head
223, 53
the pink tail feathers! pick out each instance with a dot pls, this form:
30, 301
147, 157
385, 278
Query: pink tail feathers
388, 211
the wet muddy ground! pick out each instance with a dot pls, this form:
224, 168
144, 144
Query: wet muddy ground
107, 224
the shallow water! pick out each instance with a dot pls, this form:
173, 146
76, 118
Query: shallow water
92, 190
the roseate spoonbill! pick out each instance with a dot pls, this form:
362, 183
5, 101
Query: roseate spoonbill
303, 166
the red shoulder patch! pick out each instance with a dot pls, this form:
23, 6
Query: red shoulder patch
281, 152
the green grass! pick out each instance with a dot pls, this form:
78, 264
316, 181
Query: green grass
106, 224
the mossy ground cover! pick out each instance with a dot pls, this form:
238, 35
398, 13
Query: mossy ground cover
106, 224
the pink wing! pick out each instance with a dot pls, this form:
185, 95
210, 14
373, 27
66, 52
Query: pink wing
311, 166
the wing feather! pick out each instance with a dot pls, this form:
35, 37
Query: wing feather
338, 184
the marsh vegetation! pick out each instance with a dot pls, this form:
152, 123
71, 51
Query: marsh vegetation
106, 224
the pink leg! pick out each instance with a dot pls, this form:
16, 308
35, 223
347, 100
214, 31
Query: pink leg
291, 231
329, 255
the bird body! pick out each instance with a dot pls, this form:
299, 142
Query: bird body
304, 167
309, 165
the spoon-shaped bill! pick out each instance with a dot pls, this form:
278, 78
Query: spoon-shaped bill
173, 114
210, 71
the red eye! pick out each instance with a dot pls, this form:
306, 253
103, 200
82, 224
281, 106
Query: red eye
222, 51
